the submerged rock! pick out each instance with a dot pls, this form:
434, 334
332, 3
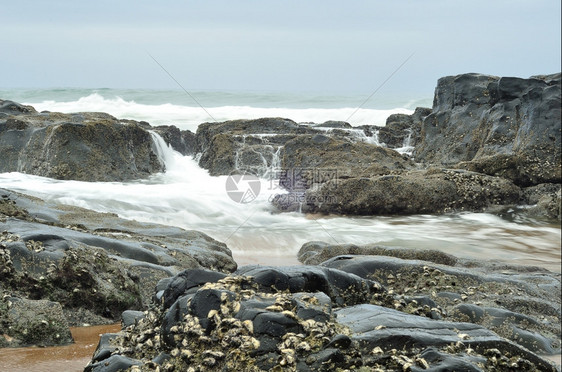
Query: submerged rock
316, 252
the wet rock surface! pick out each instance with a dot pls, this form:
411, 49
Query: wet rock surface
316, 252
402, 130
183, 141
81, 146
414, 192
339, 316
257, 146
85, 146
516, 302
92, 265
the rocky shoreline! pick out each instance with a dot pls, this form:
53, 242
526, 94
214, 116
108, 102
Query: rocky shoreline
92, 265
488, 144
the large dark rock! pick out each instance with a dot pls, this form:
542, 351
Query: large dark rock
508, 127
185, 281
503, 132
85, 146
414, 192
255, 319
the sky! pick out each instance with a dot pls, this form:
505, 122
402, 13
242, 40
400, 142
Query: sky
288, 46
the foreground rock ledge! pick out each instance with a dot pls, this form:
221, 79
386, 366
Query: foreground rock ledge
63, 265
323, 318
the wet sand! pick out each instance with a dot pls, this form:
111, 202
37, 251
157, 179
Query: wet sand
70, 358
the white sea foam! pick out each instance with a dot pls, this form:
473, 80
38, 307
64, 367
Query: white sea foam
189, 117
186, 196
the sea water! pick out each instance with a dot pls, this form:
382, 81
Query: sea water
164, 107
188, 197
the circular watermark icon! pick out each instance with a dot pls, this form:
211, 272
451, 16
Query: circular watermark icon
243, 188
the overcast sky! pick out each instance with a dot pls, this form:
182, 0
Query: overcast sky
302, 46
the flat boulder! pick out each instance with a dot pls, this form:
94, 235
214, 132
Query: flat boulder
382, 330
310, 160
414, 192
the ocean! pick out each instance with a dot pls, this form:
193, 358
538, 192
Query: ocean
188, 197
162, 107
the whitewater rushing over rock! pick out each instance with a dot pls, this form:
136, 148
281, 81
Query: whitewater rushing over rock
188, 197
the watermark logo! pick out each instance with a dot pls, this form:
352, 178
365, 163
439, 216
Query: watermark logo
243, 188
